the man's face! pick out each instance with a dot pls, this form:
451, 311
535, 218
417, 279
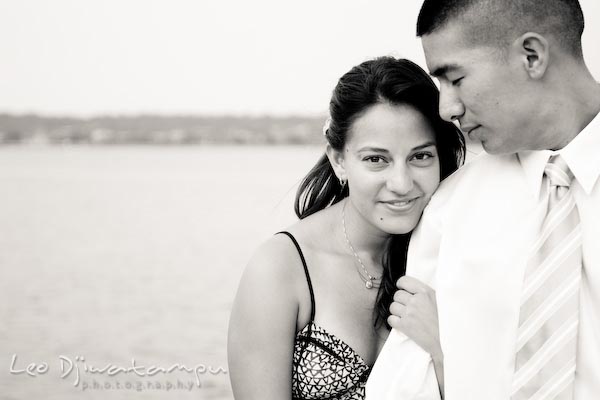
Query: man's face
481, 89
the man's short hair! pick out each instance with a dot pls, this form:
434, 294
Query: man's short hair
499, 22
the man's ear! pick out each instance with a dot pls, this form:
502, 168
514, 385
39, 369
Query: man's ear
336, 159
533, 50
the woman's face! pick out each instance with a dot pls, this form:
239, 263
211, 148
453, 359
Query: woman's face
391, 163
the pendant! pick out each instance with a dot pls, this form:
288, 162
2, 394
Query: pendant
369, 284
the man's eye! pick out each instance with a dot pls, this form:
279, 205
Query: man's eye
456, 82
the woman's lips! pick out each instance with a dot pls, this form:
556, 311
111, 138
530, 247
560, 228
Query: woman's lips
400, 205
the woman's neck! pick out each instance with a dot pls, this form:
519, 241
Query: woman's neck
368, 241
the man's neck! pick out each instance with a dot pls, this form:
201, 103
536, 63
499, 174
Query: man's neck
579, 105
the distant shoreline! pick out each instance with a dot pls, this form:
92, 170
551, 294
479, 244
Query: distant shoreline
159, 130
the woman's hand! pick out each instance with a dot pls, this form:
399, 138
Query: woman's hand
414, 313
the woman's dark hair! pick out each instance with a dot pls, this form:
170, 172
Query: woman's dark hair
381, 80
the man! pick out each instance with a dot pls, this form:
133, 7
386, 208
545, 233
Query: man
509, 242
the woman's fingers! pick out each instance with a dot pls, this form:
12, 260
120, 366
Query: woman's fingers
395, 322
397, 309
402, 296
414, 312
412, 285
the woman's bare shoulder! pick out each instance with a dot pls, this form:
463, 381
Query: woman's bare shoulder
275, 261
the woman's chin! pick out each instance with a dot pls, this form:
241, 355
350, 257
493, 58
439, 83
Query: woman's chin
392, 226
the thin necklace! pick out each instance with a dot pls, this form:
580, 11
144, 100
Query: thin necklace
370, 281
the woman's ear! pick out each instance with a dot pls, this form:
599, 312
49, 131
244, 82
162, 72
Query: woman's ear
336, 159
534, 52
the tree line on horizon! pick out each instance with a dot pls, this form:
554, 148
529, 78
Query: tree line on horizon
160, 130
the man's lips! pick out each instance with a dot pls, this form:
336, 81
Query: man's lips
469, 129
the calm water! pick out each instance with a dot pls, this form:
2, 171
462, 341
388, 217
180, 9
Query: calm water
121, 253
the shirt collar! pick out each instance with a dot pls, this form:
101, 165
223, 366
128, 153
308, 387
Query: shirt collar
581, 155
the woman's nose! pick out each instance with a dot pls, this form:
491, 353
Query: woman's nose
400, 180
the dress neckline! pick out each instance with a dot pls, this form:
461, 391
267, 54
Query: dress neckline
313, 327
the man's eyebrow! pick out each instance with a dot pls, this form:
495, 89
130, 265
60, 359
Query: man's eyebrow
444, 69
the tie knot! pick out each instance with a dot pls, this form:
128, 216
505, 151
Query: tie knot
558, 172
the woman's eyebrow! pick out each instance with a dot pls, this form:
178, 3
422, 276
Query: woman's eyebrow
424, 145
374, 149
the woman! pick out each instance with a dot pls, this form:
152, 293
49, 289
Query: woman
310, 314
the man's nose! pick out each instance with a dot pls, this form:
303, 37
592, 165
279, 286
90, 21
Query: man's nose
400, 180
451, 108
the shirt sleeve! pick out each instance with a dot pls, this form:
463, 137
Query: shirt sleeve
404, 370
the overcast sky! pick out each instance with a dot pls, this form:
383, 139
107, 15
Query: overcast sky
201, 56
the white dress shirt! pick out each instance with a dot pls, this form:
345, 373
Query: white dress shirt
472, 246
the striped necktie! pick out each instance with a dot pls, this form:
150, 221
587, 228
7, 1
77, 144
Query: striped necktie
549, 315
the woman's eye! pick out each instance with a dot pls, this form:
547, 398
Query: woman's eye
374, 159
423, 158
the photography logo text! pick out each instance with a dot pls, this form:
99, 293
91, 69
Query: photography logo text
78, 369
